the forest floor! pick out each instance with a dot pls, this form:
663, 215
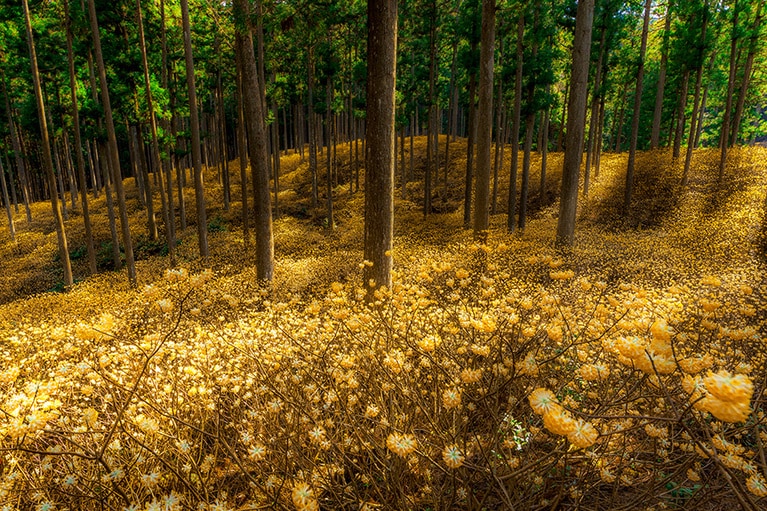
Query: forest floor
204, 388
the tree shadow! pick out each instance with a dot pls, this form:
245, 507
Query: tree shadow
656, 195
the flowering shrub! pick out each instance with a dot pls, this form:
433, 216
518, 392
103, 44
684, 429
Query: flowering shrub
490, 376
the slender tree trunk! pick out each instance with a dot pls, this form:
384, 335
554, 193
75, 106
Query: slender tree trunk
113, 151
47, 160
312, 129
725, 133
83, 185
202, 222
379, 154
695, 104
276, 156
544, 154
242, 144
680, 118
8, 212
561, 132
469, 149
529, 127
658, 111
328, 148
485, 127
575, 122
254, 117
628, 191
499, 133
432, 110
23, 181
156, 158
452, 108
752, 49
515, 125
595, 99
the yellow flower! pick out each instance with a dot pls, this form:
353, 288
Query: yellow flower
582, 434
452, 456
451, 398
727, 411
728, 387
304, 499
543, 401
401, 445
429, 343
757, 485
559, 421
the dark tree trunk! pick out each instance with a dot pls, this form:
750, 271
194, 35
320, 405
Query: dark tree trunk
113, 151
254, 117
576, 117
47, 160
628, 191
83, 186
515, 125
485, 127
379, 154
199, 191
658, 111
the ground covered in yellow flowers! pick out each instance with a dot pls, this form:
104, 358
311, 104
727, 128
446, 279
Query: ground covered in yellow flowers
626, 373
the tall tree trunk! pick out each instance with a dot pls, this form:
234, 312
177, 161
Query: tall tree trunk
379, 155
544, 153
595, 99
113, 151
254, 117
276, 157
46, 148
485, 127
242, 145
500, 133
658, 111
83, 185
725, 133
576, 117
529, 127
628, 192
432, 109
8, 212
680, 118
156, 158
312, 128
515, 125
452, 108
752, 49
328, 148
469, 149
202, 221
23, 180
696, 99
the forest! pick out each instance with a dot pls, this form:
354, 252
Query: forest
384, 254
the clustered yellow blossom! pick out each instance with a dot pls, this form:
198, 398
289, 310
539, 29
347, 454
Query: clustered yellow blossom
729, 396
559, 421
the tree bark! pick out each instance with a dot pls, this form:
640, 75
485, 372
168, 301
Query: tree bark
695, 103
8, 212
576, 116
515, 122
658, 111
379, 154
199, 191
83, 185
156, 158
485, 127
254, 117
46, 148
628, 192
23, 181
752, 49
